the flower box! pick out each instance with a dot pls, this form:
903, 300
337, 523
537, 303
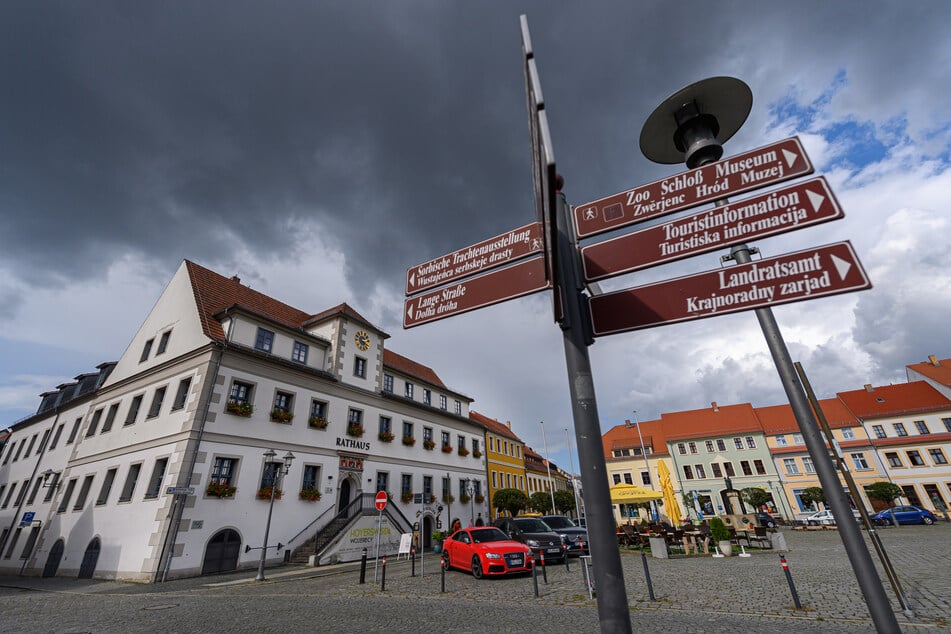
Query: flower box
264, 493
447, 448
463, 451
448, 499
281, 416
407, 497
239, 408
310, 494
429, 445
409, 441
476, 454
354, 430
464, 498
479, 499
220, 490
385, 436
317, 422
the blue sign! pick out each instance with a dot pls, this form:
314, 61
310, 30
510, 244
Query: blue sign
27, 518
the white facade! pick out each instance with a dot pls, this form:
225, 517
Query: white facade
162, 419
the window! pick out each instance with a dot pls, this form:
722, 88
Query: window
750, 442
9, 452
789, 464
879, 431
427, 396
701, 473
848, 433
29, 447
645, 478
477, 487
270, 473
407, 429
408, 390
728, 469
146, 349
717, 472
922, 427
224, 471
299, 353
442, 402
781, 441
457, 407
894, 460
859, 461
110, 417
475, 446
937, 456
615, 476
627, 479
133, 410
427, 487
445, 439
807, 465
688, 472
163, 342
495, 484
181, 395
388, 383
797, 439
283, 402
264, 340
59, 432
385, 425
947, 423
46, 436
505, 446
461, 443
13, 543
106, 487
84, 492
36, 489
708, 445
738, 443
745, 467
94, 423
692, 446
721, 444
518, 451
914, 457
406, 483
155, 482
427, 434
311, 478
53, 485
360, 367
355, 416
64, 503
382, 481
682, 449
23, 490
318, 409
131, 478
157, 402
900, 429
6, 502
240, 393
508, 480
760, 467
30, 542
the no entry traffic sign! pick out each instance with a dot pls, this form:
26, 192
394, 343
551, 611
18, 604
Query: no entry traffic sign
380, 500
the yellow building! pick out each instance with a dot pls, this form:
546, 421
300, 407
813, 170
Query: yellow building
505, 459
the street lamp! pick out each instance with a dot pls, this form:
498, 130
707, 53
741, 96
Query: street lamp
647, 466
281, 471
469, 491
551, 485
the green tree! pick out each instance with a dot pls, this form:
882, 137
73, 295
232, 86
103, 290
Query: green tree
755, 497
511, 500
541, 502
564, 501
812, 495
883, 491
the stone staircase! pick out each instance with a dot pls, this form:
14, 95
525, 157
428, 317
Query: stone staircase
315, 544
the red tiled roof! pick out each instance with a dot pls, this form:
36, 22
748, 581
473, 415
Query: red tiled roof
894, 400
711, 421
493, 426
345, 310
779, 419
407, 366
940, 373
624, 437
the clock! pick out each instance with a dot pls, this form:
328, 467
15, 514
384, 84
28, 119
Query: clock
362, 339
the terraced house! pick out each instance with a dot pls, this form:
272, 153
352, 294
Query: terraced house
505, 461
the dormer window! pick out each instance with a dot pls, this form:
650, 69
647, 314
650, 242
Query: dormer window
264, 340
299, 353
409, 390
387, 382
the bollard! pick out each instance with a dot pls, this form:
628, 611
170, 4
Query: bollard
567, 569
412, 559
442, 572
383, 575
363, 567
789, 580
535, 577
544, 567
647, 575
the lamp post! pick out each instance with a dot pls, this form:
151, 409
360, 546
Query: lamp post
551, 485
469, 490
574, 481
647, 465
275, 483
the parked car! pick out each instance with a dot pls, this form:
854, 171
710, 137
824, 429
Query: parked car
767, 520
821, 517
486, 550
573, 537
534, 533
905, 514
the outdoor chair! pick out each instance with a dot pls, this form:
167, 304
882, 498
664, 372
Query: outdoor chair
760, 537
735, 537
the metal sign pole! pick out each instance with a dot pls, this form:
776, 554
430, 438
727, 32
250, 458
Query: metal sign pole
379, 531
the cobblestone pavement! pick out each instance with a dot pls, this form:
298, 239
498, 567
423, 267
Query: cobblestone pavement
693, 594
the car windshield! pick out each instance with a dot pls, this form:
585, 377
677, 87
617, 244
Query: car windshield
531, 525
482, 535
559, 522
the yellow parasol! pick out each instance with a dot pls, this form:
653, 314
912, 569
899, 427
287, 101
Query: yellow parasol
671, 507
632, 494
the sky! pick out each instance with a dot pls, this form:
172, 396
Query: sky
320, 149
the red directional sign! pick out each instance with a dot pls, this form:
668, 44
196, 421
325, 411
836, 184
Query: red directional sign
488, 254
492, 287
817, 272
795, 207
741, 173
380, 500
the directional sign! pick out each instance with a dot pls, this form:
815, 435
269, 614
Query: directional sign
795, 207
741, 173
488, 254
180, 490
492, 287
817, 272
380, 500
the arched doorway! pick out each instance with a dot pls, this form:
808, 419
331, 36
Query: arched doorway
344, 499
90, 559
53, 559
221, 554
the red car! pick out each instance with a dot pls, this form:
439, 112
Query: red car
486, 550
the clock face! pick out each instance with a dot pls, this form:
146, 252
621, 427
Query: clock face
362, 339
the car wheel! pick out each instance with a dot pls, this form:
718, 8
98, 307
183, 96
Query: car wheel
927, 520
813, 523
476, 568
770, 524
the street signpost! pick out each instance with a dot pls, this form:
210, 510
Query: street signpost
518, 279
794, 207
488, 254
818, 272
380, 500
751, 170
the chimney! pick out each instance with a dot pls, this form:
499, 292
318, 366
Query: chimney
934, 360
235, 279
508, 424
716, 408
869, 388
